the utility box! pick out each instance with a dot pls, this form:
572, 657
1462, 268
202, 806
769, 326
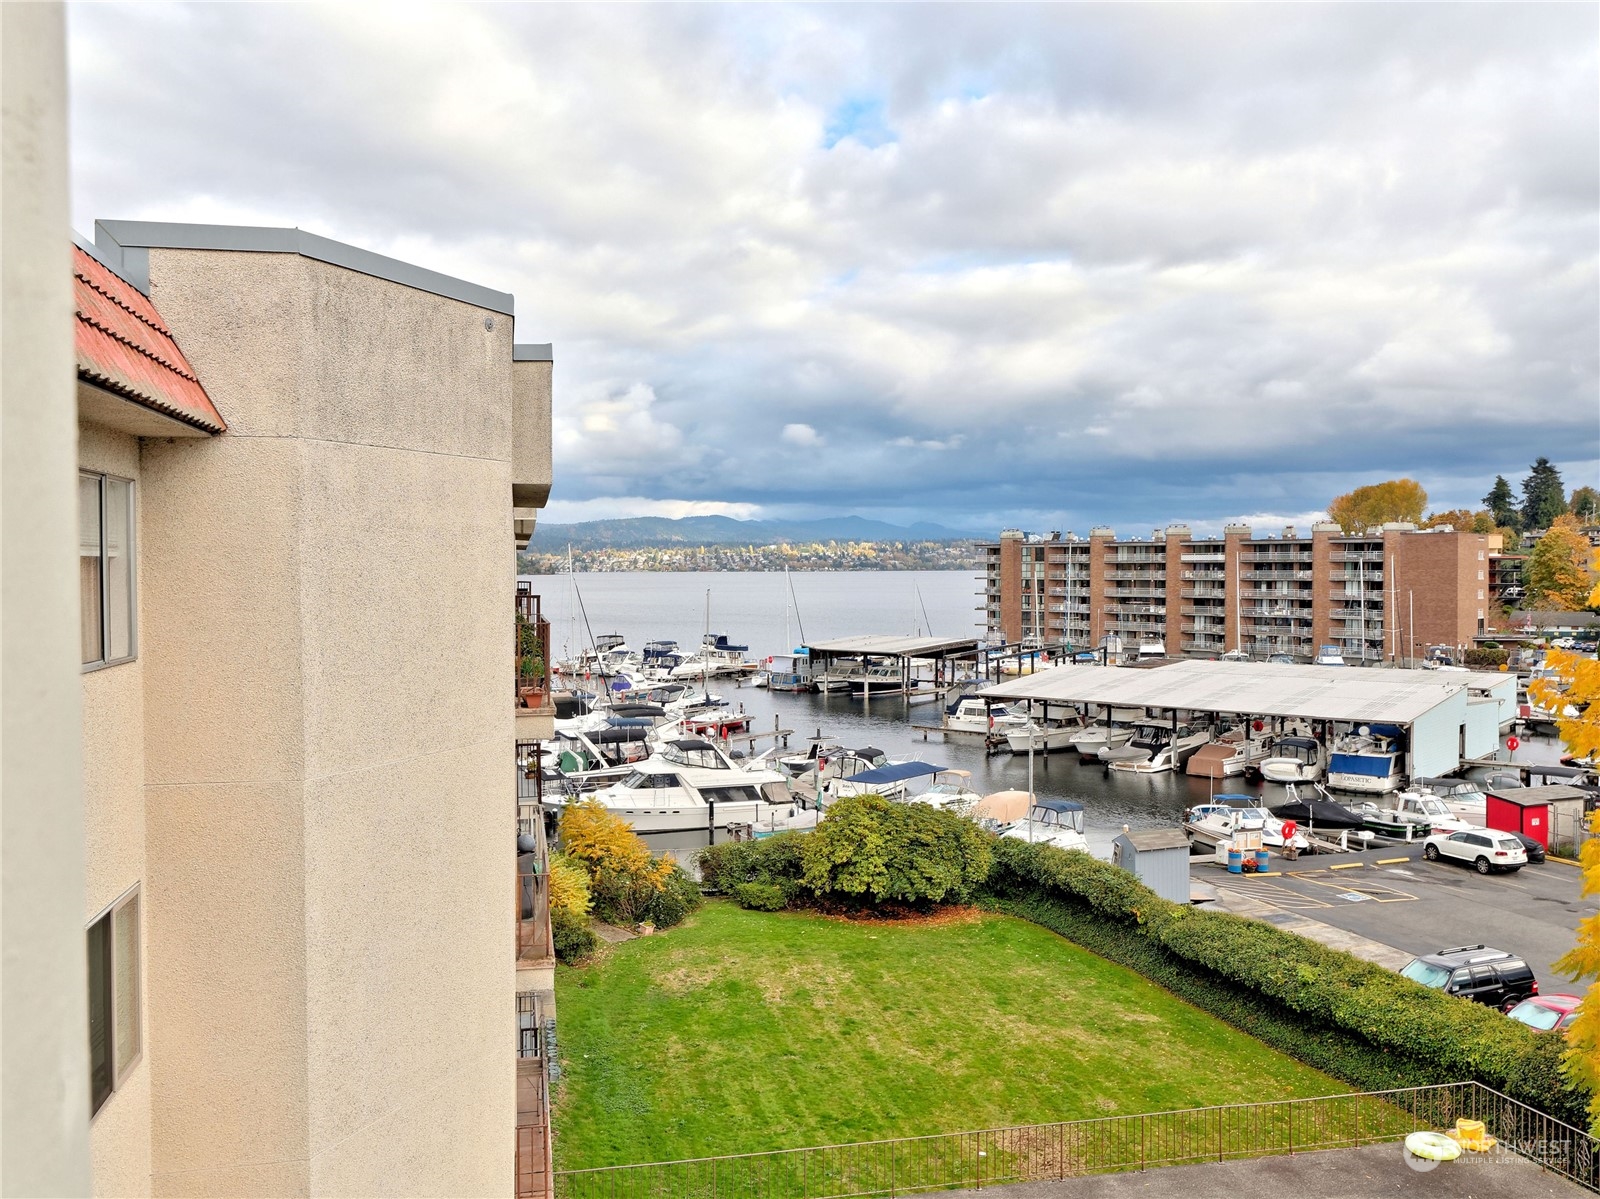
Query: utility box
1534, 811
1158, 859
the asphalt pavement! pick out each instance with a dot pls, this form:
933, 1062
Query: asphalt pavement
1397, 899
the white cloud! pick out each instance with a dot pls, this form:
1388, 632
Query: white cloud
614, 507
1260, 255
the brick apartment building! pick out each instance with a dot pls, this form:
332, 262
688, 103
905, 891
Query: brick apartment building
1384, 595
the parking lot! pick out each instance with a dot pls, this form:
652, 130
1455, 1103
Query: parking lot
1415, 906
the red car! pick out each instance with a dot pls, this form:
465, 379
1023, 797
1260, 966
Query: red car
1546, 1012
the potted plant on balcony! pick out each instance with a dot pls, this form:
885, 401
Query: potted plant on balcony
532, 680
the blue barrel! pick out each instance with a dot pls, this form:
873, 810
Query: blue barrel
1235, 861
1261, 860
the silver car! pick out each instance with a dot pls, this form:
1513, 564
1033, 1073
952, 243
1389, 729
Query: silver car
1486, 849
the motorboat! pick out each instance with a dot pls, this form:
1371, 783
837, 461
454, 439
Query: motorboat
842, 763
1212, 823
950, 791
1057, 822
1152, 649
787, 672
717, 656
1328, 655
1093, 738
1043, 738
1464, 797
1413, 815
892, 780
1366, 762
878, 678
1156, 748
1292, 760
973, 715
689, 785
659, 659
1317, 814
1227, 756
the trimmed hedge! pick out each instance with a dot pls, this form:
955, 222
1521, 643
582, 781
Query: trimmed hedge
771, 862
1354, 1019
760, 897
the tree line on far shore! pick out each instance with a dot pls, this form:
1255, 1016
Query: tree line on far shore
1561, 565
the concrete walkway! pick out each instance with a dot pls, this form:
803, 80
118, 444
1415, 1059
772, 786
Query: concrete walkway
1377, 1171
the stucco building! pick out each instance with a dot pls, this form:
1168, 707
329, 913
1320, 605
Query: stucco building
263, 493
1380, 596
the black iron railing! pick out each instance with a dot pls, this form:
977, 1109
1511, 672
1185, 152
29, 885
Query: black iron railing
1039, 1152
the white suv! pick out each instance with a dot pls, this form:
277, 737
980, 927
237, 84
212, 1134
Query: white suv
1486, 849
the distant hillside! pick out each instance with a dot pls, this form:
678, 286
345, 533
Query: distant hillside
642, 532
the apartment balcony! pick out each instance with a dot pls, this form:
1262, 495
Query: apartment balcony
1278, 576
1357, 556
1218, 593
1132, 575
1220, 577
533, 915
1214, 646
1281, 595
1217, 556
531, 650
1358, 611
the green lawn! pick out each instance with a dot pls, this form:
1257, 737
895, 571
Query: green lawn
744, 1031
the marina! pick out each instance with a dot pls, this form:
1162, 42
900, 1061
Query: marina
754, 608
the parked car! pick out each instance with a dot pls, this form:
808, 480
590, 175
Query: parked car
1547, 1012
1486, 849
1532, 848
1476, 972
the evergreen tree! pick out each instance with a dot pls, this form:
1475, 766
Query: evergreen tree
1502, 504
1543, 497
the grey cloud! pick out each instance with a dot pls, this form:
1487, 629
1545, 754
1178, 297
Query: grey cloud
1270, 251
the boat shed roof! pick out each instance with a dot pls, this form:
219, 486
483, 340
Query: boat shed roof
1357, 694
897, 647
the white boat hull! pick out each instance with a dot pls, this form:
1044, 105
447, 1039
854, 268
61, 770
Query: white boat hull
1364, 784
1090, 742
1289, 770
1042, 740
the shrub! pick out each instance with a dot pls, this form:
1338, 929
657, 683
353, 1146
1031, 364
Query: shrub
1425, 1033
679, 896
772, 860
569, 886
621, 897
1483, 655
872, 849
760, 897
571, 935
625, 881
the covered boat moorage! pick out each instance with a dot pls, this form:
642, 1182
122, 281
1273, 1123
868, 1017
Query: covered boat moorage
912, 661
1434, 714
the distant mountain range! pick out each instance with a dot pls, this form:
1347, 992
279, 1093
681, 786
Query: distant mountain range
642, 532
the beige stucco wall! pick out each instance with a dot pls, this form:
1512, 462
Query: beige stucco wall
531, 473
329, 733
44, 1067
114, 857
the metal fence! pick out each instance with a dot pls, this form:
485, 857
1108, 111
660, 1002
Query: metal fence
1569, 832
998, 1156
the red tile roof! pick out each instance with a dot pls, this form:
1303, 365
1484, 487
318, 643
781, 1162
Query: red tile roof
124, 346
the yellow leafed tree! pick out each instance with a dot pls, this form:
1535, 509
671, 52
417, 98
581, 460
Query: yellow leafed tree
1374, 505
598, 839
569, 886
1577, 683
1559, 576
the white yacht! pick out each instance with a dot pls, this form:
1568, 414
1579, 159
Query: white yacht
1414, 815
973, 715
1464, 797
1095, 737
716, 656
1057, 822
1212, 823
690, 785
1328, 655
1043, 738
1293, 760
1366, 762
892, 780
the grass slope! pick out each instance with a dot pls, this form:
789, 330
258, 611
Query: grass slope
745, 1031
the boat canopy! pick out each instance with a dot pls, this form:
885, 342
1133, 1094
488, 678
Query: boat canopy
1318, 813
1059, 805
1297, 742
895, 772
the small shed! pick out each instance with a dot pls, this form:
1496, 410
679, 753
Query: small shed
1159, 859
1538, 812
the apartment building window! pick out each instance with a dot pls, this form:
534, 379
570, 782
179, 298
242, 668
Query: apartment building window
114, 1040
105, 569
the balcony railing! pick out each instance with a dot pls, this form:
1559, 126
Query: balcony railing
1356, 556
532, 650
533, 916
1137, 576
1219, 556
1271, 576
1108, 1145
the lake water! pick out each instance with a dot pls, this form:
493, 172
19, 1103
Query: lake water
751, 608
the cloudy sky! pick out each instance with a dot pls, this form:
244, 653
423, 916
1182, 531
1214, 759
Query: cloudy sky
1048, 266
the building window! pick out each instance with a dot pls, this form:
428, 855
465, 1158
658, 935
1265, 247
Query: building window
105, 569
114, 1040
